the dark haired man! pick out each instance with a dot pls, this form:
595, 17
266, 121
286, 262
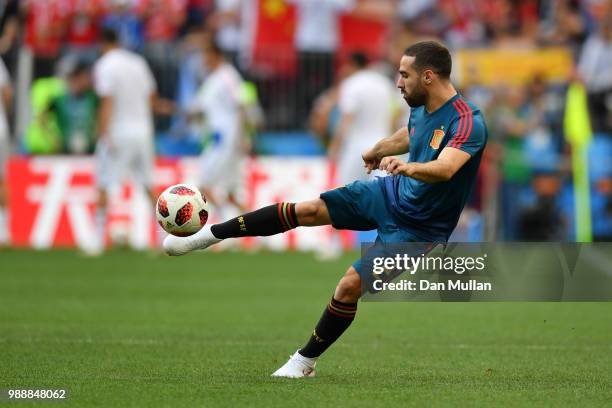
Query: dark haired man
420, 200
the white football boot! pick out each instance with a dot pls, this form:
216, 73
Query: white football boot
298, 366
202, 239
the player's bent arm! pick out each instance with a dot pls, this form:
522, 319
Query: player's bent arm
397, 143
443, 168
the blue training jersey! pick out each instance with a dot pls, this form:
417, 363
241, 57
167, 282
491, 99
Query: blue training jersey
431, 210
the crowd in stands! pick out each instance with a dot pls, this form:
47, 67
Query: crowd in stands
525, 188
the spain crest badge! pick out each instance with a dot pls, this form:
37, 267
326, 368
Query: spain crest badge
436, 139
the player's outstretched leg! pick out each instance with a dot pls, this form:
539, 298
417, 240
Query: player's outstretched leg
270, 220
337, 317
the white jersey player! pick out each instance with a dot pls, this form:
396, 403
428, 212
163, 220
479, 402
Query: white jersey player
365, 102
125, 148
125, 85
219, 101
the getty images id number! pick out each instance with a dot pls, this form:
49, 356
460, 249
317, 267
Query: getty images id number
35, 394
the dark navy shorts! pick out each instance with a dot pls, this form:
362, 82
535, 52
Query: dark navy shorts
362, 206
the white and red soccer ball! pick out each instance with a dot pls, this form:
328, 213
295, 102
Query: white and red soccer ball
181, 210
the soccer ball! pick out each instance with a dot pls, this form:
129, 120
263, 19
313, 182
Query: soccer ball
181, 210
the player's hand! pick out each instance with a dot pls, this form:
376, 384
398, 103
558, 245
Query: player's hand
370, 161
393, 165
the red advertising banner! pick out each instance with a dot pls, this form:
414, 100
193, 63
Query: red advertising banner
52, 201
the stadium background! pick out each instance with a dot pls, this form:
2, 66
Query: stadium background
514, 59
135, 329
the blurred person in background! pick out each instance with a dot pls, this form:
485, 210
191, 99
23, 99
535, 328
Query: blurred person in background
6, 98
540, 217
82, 29
368, 109
513, 120
125, 148
325, 115
42, 135
595, 69
316, 40
221, 108
75, 111
544, 141
365, 102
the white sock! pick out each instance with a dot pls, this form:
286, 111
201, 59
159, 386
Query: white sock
204, 237
100, 226
310, 361
181, 245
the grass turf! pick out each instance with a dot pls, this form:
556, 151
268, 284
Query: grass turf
130, 329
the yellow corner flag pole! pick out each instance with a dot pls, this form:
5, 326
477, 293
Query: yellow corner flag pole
577, 127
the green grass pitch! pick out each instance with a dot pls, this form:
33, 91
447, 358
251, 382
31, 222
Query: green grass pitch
132, 329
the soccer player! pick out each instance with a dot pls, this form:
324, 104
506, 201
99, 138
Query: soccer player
420, 200
220, 101
127, 92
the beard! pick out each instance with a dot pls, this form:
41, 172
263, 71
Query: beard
416, 98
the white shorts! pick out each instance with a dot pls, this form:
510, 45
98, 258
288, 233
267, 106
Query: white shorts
221, 168
130, 160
